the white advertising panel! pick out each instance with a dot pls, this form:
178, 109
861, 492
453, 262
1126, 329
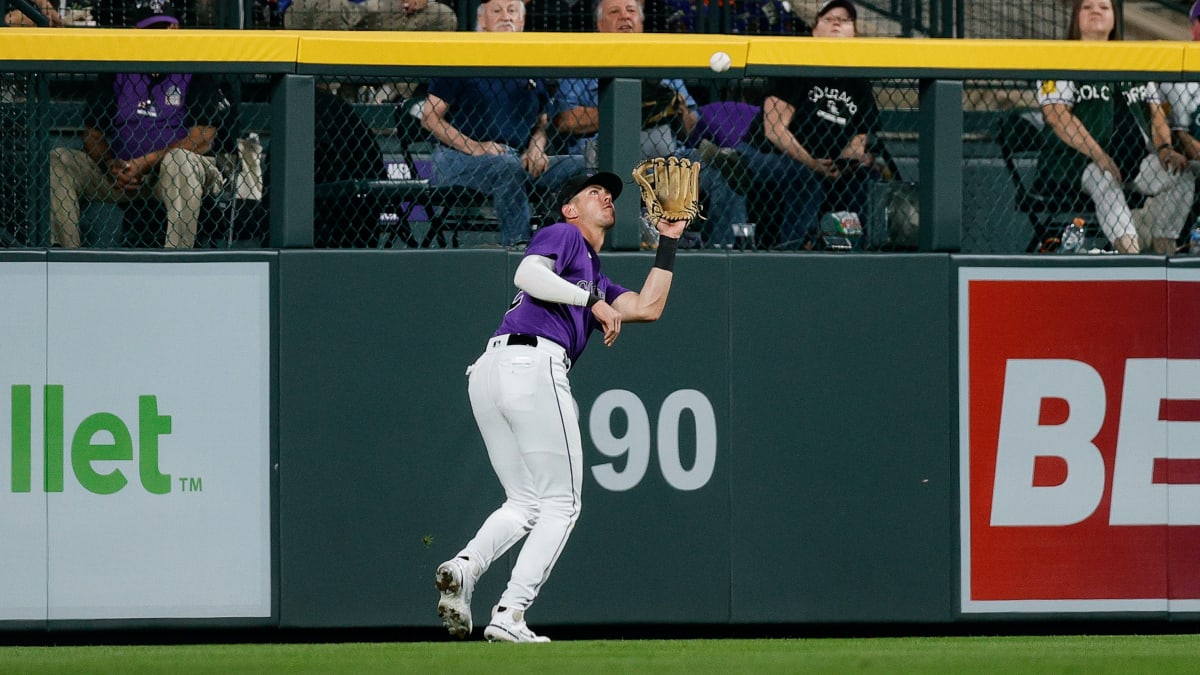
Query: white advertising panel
22, 521
150, 427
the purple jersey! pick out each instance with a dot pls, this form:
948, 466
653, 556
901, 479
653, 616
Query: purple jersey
139, 112
150, 113
575, 261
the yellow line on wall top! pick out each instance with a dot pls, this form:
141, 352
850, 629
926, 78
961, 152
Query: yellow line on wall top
933, 54
131, 44
585, 50
556, 50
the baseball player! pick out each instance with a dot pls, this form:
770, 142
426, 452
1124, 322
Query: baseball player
522, 399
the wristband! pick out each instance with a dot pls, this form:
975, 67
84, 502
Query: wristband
593, 298
664, 258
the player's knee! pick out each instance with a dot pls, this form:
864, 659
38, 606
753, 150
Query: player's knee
524, 511
565, 505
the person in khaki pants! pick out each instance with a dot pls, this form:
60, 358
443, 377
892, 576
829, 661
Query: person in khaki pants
370, 15
405, 15
147, 136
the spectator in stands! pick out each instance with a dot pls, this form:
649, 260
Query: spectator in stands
668, 114
723, 124
390, 15
1113, 135
1183, 101
492, 133
148, 135
16, 17
811, 140
369, 15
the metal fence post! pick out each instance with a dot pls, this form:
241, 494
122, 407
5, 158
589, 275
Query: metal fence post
620, 118
293, 105
939, 162
39, 164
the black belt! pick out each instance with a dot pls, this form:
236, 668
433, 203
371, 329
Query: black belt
522, 339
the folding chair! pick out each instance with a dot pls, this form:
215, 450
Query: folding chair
1021, 139
452, 209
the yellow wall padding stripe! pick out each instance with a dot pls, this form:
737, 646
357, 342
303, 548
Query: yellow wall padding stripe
586, 50
556, 50
1191, 57
116, 44
1021, 55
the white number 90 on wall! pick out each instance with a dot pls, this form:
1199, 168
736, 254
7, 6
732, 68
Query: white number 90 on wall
635, 442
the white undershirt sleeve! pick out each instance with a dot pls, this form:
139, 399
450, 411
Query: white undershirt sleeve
535, 275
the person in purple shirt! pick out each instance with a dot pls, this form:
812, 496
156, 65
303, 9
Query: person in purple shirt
522, 400
147, 135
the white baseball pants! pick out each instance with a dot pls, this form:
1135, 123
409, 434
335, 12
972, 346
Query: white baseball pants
529, 421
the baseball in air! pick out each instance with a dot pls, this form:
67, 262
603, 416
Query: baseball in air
719, 62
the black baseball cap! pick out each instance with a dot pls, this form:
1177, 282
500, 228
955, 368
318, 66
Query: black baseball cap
153, 14
576, 184
845, 4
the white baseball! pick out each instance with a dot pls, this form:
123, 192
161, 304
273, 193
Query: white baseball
719, 62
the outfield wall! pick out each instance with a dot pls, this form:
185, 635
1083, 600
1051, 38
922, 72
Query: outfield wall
816, 439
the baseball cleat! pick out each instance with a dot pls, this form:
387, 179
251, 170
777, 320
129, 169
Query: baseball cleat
508, 625
455, 578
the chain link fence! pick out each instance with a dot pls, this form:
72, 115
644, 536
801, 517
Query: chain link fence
15, 181
1060, 201
129, 161
857, 198
390, 174
385, 179
386, 174
1024, 19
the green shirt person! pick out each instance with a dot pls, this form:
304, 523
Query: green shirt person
1109, 135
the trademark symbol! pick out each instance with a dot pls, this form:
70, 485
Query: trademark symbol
190, 484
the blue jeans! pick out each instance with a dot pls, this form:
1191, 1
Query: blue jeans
798, 191
725, 207
504, 180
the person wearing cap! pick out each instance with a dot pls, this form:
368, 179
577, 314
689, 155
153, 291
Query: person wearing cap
811, 140
1183, 104
1110, 136
146, 136
576, 115
491, 133
522, 402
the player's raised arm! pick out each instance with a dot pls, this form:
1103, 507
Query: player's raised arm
648, 303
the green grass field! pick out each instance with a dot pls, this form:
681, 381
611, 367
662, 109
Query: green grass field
1086, 655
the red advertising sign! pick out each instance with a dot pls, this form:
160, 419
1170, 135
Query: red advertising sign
1080, 439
